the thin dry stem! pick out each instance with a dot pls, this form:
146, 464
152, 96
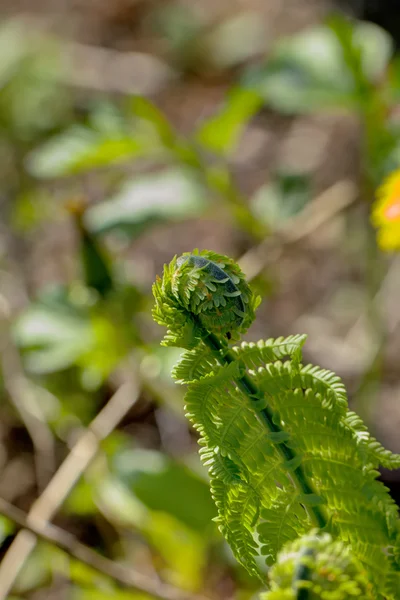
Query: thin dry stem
53, 496
62, 539
22, 396
318, 212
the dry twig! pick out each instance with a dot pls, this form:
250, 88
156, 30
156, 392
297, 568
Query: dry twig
21, 394
318, 212
53, 496
67, 542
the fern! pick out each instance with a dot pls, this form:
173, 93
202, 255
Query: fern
284, 453
315, 566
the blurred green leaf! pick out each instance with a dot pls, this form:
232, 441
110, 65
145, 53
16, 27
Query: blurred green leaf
171, 194
53, 338
56, 335
181, 28
305, 72
40, 567
80, 500
182, 548
32, 208
6, 528
144, 109
221, 133
106, 118
373, 44
32, 100
328, 66
281, 199
111, 342
97, 272
112, 594
81, 574
96, 267
159, 364
164, 485
80, 149
118, 503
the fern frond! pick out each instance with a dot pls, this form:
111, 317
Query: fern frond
361, 510
237, 511
375, 452
181, 328
195, 364
284, 522
283, 451
198, 362
326, 383
318, 568
271, 350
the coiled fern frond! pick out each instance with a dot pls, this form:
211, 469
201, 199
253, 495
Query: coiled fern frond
284, 453
315, 567
202, 292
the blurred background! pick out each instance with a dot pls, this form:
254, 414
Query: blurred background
134, 130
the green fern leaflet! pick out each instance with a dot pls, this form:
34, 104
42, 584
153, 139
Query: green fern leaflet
284, 453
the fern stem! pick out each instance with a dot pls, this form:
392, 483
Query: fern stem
248, 387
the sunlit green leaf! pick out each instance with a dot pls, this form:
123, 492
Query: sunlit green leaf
81, 149
55, 336
182, 548
305, 72
6, 528
39, 569
144, 109
32, 208
221, 133
374, 44
89, 579
80, 501
112, 594
328, 66
107, 118
118, 503
170, 194
164, 485
53, 339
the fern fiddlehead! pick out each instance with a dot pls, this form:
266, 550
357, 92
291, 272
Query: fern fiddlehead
314, 567
283, 451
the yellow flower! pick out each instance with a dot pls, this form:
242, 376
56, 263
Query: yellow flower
386, 213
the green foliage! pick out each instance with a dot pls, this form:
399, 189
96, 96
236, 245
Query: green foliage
166, 486
81, 149
281, 199
271, 429
222, 132
30, 99
208, 287
316, 567
112, 594
283, 452
172, 194
329, 66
